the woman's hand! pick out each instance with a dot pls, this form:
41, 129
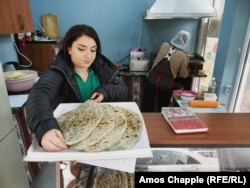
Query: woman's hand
98, 97
53, 140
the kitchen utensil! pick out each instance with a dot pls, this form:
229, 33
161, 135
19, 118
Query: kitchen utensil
200, 103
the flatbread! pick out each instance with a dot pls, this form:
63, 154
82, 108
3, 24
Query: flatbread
105, 126
78, 124
131, 183
132, 133
114, 136
124, 179
109, 178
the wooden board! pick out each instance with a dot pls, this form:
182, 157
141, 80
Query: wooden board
51, 25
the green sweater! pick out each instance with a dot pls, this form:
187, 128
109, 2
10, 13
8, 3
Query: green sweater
87, 88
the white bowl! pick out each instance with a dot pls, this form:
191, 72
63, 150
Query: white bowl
21, 84
187, 95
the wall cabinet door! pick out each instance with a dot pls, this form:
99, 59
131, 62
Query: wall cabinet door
40, 54
15, 16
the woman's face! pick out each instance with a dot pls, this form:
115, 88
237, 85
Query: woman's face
83, 52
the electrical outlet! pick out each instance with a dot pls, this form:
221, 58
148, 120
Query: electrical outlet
228, 89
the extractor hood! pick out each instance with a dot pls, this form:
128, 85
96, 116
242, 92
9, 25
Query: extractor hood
170, 9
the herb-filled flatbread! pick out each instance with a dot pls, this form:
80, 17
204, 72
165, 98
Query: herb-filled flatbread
124, 179
105, 126
109, 178
132, 132
77, 124
114, 135
95, 127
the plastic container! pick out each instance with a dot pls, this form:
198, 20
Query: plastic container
210, 97
187, 95
21, 84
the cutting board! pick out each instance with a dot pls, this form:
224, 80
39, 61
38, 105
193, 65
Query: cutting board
51, 25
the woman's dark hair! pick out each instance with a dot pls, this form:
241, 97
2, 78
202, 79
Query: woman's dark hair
74, 33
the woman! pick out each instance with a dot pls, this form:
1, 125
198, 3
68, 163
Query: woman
79, 72
171, 63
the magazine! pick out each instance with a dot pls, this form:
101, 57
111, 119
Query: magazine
183, 120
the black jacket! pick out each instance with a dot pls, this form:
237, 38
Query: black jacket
58, 85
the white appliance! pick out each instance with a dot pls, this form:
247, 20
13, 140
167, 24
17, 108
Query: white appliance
138, 61
12, 168
169, 9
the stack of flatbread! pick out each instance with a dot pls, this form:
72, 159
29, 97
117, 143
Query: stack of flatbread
94, 127
113, 178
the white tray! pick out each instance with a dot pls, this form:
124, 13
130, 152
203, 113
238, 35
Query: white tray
140, 150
